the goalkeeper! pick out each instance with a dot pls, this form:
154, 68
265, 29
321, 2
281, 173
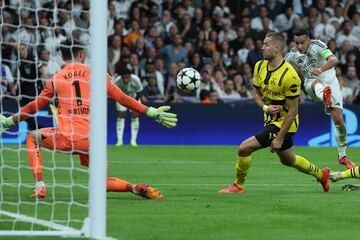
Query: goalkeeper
71, 86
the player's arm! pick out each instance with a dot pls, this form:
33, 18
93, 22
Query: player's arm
160, 114
290, 116
331, 60
29, 109
258, 96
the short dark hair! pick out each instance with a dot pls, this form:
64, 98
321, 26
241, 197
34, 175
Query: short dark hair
301, 32
70, 48
124, 71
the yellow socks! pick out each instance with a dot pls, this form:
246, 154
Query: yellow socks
351, 173
242, 167
305, 166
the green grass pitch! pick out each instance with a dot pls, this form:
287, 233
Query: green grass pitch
280, 203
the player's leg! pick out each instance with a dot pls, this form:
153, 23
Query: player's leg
134, 128
35, 162
350, 173
119, 185
260, 140
120, 123
322, 92
288, 158
34, 141
336, 113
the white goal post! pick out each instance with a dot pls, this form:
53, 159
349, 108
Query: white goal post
93, 225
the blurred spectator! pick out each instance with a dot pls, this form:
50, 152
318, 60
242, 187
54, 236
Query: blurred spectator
7, 82
151, 91
164, 24
151, 72
134, 64
208, 85
50, 65
150, 36
347, 34
255, 54
338, 15
227, 33
218, 63
324, 30
226, 53
256, 23
244, 51
241, 87
175, 52
198, 19
229, 90
122, 8
139, 48
114, 50
222, 14
274, 8
111, 19
187, 29
285, 21
133, 35
238, 42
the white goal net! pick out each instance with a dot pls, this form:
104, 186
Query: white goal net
30, 42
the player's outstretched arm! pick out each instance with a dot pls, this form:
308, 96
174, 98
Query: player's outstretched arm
161, 115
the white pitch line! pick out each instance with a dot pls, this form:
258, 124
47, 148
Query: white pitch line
170, 162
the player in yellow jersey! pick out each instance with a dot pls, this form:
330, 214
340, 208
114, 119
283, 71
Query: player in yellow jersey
277, 88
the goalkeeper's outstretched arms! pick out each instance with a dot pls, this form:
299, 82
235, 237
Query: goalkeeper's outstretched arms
29, 109
160, 114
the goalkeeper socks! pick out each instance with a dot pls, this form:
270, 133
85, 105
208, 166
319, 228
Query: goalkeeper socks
340, 136
318, 90
351, 173
34, 157
118, 185
242, 167
305, 166
120, 123
134, 129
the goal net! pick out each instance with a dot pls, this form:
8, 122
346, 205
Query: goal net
30, 42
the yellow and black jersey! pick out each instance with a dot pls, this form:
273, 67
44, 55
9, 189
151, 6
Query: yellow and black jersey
277, 85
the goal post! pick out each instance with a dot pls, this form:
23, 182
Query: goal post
75, 205
98, 117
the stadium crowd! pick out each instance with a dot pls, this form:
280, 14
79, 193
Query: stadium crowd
156, 38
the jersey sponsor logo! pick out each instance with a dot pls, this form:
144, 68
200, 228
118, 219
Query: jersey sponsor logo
271, 92
79, 111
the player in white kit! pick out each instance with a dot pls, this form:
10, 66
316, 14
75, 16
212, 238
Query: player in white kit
315, 62
131, 85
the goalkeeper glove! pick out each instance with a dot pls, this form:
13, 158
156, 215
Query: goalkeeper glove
5, 123
160, 115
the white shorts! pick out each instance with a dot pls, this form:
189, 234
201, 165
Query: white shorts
336, 97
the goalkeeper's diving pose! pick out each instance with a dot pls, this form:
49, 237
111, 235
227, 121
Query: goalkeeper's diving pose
71, 86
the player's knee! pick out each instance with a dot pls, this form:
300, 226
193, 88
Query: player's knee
244, 150
287, 162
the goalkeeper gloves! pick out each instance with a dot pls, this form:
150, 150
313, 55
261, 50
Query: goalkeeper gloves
5, 123
160, 115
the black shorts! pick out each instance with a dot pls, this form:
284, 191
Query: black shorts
269, 132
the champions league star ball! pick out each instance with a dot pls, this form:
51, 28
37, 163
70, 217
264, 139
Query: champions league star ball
188, 79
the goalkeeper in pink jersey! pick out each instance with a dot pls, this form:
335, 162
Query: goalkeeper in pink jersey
71, 86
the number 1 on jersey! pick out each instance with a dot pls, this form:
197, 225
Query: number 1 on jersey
76, 85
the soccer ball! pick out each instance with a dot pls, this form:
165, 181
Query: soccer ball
188, 79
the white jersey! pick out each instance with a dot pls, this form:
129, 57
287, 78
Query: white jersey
132, 88
315, 57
